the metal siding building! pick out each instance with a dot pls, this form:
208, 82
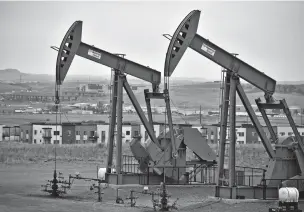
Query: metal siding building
68, 133
86, 133
26, 133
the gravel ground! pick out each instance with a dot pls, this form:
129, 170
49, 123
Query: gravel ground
20, 191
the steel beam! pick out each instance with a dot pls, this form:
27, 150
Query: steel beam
119, 125
255, 121
223, 128
155, 95
149, 111
71, 45
267, 121
140, 113
228, 61
119, 63
232, 140
185, 36
169, 115
112, 123
270, 105
292, 124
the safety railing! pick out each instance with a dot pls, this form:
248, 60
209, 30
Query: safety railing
297, 183
130, 165
194, 174
245, 176
178, 176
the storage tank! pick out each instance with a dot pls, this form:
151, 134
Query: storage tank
102, 173
288, 194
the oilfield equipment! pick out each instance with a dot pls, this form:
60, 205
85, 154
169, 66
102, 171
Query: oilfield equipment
288, 200
59, 187
166, 150
159, 198
163, 158
286, 161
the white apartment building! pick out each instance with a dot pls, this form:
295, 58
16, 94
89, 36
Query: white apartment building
286, 131
103, 133
44, 133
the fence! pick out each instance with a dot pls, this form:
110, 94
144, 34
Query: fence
194, 174
297, 183
130, 165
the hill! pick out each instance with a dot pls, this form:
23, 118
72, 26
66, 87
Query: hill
15, 76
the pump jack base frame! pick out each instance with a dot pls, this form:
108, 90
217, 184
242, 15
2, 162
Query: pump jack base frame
246, 192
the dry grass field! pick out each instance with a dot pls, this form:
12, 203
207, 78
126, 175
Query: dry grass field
18, 119
24, 168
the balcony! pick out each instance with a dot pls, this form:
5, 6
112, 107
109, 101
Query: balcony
46, 136
93, 137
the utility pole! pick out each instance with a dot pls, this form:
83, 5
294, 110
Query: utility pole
200, 115
301, 112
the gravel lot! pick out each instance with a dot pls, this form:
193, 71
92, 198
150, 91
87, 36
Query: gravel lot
20, 191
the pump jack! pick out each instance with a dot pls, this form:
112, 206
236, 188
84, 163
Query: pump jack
288, 158
158, 149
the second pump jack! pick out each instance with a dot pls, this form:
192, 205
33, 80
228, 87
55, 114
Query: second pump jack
287, 162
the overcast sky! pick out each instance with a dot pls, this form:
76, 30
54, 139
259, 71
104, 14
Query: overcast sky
269, 36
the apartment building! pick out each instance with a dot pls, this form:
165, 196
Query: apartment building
10, 133
69, 133
103, 133
46, 133
86, 133
26, 133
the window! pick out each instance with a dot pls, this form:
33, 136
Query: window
290, 133
56, 132
69, 132
34, 141
77, 132
282, 133
103, 136
136, 133
211, 133
26, 131
302, 133
84, 132
128, 132
241, 134
91, 133
35, 132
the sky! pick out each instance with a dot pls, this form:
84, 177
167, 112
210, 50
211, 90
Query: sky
267, 35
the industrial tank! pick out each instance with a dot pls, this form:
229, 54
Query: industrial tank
288, 194
102, 173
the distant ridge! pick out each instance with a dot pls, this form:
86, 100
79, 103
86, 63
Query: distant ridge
16, 75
